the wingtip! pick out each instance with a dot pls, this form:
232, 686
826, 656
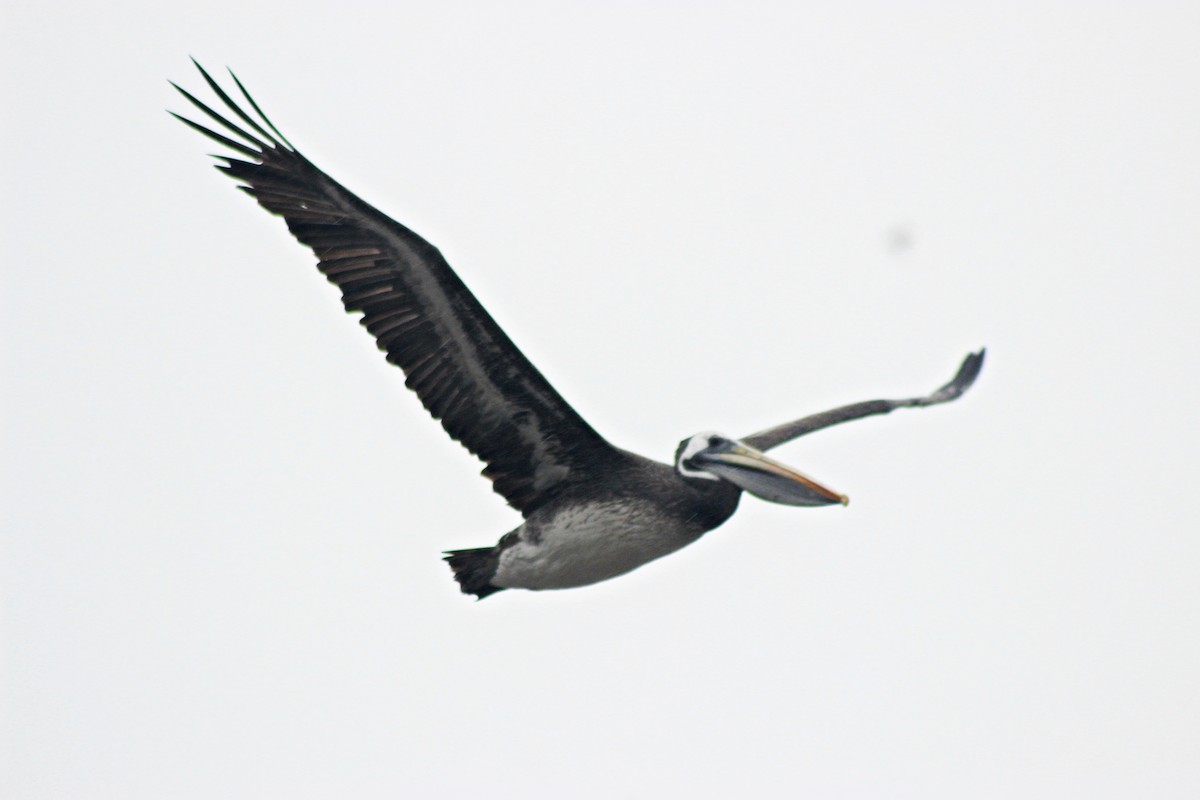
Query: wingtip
203, 71
972, 365
964, 379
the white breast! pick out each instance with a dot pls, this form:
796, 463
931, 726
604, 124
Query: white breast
590, 543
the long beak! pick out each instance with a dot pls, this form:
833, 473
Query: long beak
764, 477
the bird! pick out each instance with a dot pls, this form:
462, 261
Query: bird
591, 511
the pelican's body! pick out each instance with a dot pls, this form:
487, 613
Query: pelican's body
592, 511
641, 513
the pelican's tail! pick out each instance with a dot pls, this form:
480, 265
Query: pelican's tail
474, 569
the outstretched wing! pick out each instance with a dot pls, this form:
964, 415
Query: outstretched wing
773, 437
465, 370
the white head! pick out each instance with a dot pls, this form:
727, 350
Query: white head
712, 456
690, 447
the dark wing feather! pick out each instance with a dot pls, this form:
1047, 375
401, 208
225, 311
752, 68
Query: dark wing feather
773, 437
465, 370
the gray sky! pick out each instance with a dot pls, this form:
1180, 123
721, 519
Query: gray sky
223, 512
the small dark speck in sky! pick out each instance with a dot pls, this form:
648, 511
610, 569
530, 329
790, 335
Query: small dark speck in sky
900, 239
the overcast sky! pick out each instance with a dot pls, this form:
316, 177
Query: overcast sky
223, 512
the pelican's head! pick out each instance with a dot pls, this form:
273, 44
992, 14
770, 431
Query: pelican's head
714, 457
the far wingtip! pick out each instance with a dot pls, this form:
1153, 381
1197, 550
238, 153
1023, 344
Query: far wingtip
969, 371
976, 360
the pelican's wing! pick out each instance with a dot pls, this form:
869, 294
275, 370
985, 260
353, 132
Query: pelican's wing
465, 370
773, 437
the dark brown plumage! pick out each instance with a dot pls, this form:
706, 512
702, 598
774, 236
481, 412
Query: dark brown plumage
462, 366
592, 511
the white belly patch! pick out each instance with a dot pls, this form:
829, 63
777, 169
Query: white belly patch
587, 544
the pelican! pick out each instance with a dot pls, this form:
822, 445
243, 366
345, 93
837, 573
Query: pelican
592, 511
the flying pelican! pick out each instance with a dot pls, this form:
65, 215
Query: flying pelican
591, 511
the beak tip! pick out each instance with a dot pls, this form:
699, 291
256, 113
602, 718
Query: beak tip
844, 500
